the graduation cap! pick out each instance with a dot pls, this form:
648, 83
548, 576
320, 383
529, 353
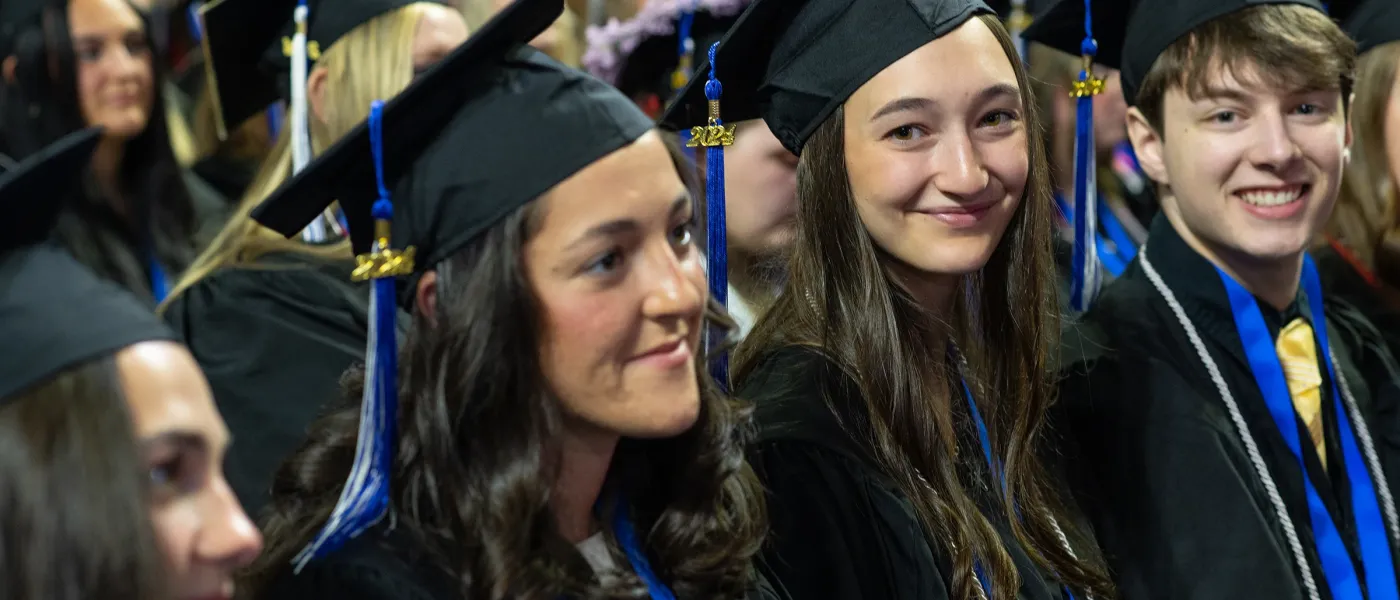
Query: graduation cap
793, 62
652, 55
1370, 22
55, 314
16, 14
488, 129
248, 47
1151, 25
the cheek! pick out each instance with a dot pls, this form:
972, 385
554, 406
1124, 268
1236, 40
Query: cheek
175, 524
1008, 162
1392, 135
580, 332
886, 180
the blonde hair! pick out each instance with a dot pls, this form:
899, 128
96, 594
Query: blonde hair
1366, 218
373, 61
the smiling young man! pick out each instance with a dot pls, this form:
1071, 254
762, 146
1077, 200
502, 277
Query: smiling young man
1216, 448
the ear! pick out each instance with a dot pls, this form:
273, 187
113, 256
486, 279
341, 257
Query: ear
1346, 152
316, 92
7, 68
425, 297
1147, 143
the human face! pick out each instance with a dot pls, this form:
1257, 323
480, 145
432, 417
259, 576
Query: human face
440, 30
1392, 131
937, 152
760, 183
115, 69
622, 294
1110, 111
1252, 172
202, 530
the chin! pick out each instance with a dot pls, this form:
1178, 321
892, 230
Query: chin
951, 258
673, 410
124, 127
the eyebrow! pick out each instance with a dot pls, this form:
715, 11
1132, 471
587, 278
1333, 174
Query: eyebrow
183, 439
910, 103
621, 226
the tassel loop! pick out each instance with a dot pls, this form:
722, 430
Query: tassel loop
383, 261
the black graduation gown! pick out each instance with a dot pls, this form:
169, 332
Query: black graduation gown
273, 340
388, 564
1350, 291
839, 528
1155, 460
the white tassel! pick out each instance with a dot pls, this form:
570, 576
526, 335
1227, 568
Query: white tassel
297, 119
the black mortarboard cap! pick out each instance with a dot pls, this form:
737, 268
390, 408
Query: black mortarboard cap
54, 313
15, 15
246, 47
489, 128
793, 62
1370, 22
1151, 25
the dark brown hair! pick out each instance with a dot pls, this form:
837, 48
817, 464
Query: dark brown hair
1288, 46
74, 504
1367, 217
476, 463
844, 300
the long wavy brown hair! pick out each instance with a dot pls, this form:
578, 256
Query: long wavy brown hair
1367, 216
844, 300
477, 458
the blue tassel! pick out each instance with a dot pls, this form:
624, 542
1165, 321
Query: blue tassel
715, 228
365, 498
1086, 276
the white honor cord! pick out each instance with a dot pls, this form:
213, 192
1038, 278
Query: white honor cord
1373, 462
1240, 426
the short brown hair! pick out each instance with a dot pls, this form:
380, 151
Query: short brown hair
1290, 46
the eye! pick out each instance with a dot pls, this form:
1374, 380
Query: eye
89, 52
999, 118
1224, 117
166, 473
136, 45
683, 234
905, 133
1308, 109
605, 264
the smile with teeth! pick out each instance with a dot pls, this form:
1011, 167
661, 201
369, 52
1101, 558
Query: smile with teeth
1274, 196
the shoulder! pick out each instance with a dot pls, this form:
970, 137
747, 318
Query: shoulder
375, 566
282, 281
801, 395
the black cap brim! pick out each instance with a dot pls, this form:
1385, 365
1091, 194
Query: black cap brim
32, 194
431, 99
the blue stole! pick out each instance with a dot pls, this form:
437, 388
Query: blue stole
627, 537
1338, 568
1116, 256
994, 466
160, 285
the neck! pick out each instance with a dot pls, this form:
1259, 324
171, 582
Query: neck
755, 279
934, 292
106, 170
1273, 279
585, 455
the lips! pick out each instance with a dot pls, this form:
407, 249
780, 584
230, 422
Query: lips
1274, 196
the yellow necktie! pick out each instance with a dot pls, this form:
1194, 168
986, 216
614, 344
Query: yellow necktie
1298, 355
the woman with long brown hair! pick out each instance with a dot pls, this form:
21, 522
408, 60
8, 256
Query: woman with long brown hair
901, 380
552, 431
1361, 263
110, 446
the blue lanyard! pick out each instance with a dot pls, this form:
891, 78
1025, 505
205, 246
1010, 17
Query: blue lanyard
1116, 256
995, 466
627, 537
160, 286
1337, 566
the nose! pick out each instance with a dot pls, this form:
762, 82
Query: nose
123, 62
677, 287
1274, 149
958, 169
227, 538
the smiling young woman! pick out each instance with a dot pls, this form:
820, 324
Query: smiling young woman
919, 309
556, 433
